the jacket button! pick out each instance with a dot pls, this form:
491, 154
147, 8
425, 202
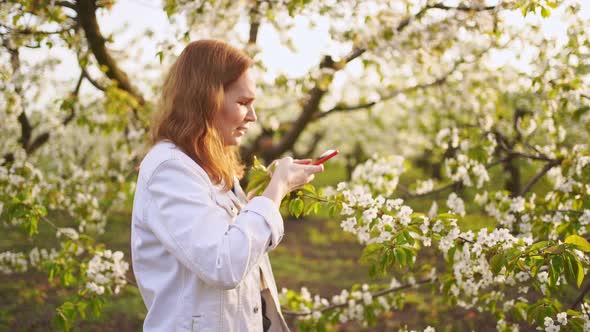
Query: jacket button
256, 309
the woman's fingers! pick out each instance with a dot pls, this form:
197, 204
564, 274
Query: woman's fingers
314, 169
302, 161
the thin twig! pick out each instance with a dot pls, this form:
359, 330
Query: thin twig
580, 297
540, 174
316, 198
374, 295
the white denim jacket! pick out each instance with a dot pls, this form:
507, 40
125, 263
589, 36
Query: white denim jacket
200, 255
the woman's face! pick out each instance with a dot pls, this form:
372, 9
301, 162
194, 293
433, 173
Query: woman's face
237, 110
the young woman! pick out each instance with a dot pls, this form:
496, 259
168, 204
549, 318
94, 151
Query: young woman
199, 246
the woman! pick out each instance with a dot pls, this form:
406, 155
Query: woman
199, 247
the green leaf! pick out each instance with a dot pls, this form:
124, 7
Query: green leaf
497, 262
579, 241
310, 189
313, 207
574, 271
555, 267
580, 274
408, 237
537, 246
170, 7
570, 273
258, 177
571, 312
82, 309
296, 207
400, 256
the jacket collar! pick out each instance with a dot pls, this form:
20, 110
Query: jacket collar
238, 191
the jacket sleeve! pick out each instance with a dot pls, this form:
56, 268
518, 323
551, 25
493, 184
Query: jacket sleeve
185, 218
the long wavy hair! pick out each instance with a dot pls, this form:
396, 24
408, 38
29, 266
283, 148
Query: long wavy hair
191, 97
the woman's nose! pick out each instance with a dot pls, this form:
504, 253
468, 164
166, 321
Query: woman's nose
251, 115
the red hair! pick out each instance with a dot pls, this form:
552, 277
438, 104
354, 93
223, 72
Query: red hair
191, 97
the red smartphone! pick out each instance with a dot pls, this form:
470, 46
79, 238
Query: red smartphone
325, 156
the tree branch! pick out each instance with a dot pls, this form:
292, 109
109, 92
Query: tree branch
44, 137
25, 124
254, 23
74, 94
309, 153
442, 79
540, 174
312, 101
315, 95
86, 10
92, 80
30, 31
375, 295
440, 5
580, 297
407, 194
66, 4
389, 96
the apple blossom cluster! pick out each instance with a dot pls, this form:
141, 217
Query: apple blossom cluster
381, 174
572, 179
508, 211
503, 326
463, 169
519, 213
455, 203
448, 138
11, 262
346, 306
18, 262
106, 270
20, 183
472, 272
78, 193
567, 319
425, 186
372, 220
427, 329
68, 232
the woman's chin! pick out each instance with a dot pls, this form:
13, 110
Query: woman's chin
233, 141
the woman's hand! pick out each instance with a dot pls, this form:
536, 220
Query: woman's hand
289, 174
